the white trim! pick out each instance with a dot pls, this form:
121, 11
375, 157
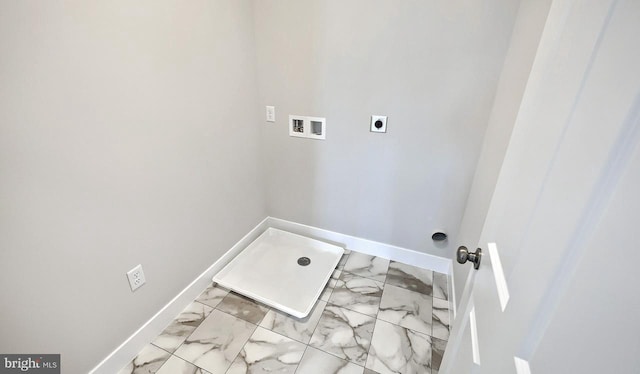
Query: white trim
370, 247
498, 274
122, 355
522, 366
473, 328
453, 308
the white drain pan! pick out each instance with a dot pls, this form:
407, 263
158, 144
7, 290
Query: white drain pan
268, 271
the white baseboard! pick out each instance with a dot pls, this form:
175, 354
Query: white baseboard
370, 247
122, 355
452, 293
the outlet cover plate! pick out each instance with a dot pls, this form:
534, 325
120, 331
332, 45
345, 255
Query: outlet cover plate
136, 277
270, 113
378, 123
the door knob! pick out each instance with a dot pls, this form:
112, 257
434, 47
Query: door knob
464, 255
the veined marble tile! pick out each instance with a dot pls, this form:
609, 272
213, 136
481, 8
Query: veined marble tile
437, 352
441, 325
331, 284
268, 352
343, 260
440, 288
369, 371
357, 293
326, 293
215, 343
410, 277
409, 309
367, 266
336, 274
395, 349
212, 296
148, 361
176, 365
294, 328
344, 333
187, 321
243, 307
316, 361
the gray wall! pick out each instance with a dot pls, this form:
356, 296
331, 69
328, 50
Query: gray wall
432, 67
127, 136
513, 80
133, 132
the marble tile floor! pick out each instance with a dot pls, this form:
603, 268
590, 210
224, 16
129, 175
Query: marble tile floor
375, 316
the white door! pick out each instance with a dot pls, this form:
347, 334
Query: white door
555, 291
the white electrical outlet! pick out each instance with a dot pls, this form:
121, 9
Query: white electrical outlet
378, 123
136, 277
271, 114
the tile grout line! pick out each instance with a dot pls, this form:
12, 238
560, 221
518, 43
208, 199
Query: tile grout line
244, 344
342, 307
327, 303
330, 353
346, 256
418, 332
256, 327
376, 317
337, 306
229, 314
306, 347
185, 339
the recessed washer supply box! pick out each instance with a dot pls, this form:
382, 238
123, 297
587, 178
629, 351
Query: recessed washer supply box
308, 127
269, 271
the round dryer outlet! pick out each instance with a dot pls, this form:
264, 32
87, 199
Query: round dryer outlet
378, 123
